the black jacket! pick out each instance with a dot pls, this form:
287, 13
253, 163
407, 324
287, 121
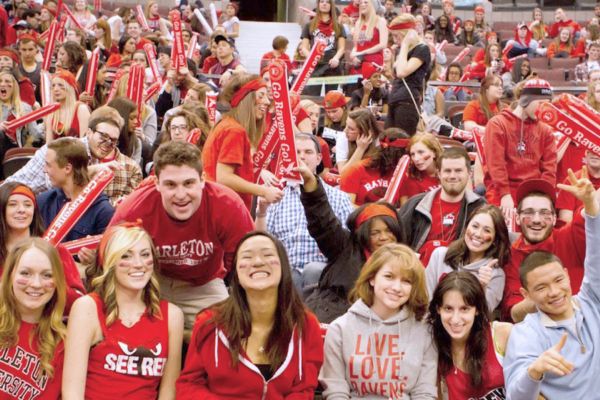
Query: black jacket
415, 216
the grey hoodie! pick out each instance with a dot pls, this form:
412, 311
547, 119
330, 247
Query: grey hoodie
437, 268
367, 358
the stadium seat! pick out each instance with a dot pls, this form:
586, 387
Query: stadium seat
15, 158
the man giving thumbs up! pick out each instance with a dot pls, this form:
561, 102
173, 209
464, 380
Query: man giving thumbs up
553, 352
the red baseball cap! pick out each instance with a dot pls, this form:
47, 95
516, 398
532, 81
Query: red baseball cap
335, 99
536, 185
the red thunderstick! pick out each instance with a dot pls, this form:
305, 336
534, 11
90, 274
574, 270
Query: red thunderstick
309, 66
49, 50
74, 210
90, 83
178, 53
32, 116
135, 88
478, 139
211, 106
287, 160
90, 242
151, 56
141, 17
393, 190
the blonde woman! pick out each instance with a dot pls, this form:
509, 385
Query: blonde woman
593, 95
384, 326
227, 152
122, 339
72, 118
155, 22
370, 36
11, 107
410, 71
32, 301
82, 14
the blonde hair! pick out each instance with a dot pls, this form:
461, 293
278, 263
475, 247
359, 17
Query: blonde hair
590, 98
406, 259
50, 330
67, 108
404, 18
15, 98
119, 240
371, 23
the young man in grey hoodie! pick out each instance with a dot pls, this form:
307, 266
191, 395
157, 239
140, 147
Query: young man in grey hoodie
553, 352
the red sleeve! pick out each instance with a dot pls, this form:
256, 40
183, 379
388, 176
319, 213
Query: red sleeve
554, 28
579, 50
495, 149
551, 50
548, 162
512, 284
288, 62
27, 91
471, 111
479, 55
193, 382
326, 153
350, 182
75, 287
312, 359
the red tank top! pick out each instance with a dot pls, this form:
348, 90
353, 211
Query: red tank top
20, 370
492, 385
363, 44
128, 363
74, 129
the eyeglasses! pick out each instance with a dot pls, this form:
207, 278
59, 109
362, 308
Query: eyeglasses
180, 128
106, 139
544, 214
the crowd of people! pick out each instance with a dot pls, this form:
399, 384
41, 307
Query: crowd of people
208, 276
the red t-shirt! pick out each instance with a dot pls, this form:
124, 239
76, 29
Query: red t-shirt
19, 368
128, 362
228, 144
208, 63
492, 376
197, 250
325, 152
573, 158
267, 57
364, 182
473, 112
566, 201
141, 43
444, 223
413, 186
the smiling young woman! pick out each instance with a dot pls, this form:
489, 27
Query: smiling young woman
122, 338
259, 343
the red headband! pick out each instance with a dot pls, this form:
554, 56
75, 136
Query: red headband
11, 54
24, 191
69, 78
396, 143
251, 86
401, 26
374, 210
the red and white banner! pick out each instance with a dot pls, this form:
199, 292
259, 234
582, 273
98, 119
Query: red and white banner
265, 148
440, 46
92, 72
141, 18
203, 22
90, 242
579, 109
575, 127
393, 190
135, 89
151, 56
178, 51
72, 17
62, 28
211, 106
45, 87
478, 139
49, 49
32, 116
115, 85
72, 212
287, 161
309, 66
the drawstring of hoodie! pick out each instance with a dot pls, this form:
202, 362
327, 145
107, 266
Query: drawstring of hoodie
299, 354
216, 347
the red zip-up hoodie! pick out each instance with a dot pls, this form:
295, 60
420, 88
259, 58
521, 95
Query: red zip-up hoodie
208, 373
507, 167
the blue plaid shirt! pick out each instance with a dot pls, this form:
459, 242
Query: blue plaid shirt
286, 221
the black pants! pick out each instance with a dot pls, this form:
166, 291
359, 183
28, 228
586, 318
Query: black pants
403, 115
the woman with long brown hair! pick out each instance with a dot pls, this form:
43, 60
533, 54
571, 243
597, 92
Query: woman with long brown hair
32, 301
478, 112
470, 347
259, 343
483, 250
362, 136
324, 26
385, 326
227, 152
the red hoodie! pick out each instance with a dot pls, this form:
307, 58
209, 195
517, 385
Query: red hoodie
556, 27
506, 166
208, 373
567, 242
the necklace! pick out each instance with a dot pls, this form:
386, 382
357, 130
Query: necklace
261, 349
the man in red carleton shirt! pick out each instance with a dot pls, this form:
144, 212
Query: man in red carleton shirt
536, 216
195, 226
518, 147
